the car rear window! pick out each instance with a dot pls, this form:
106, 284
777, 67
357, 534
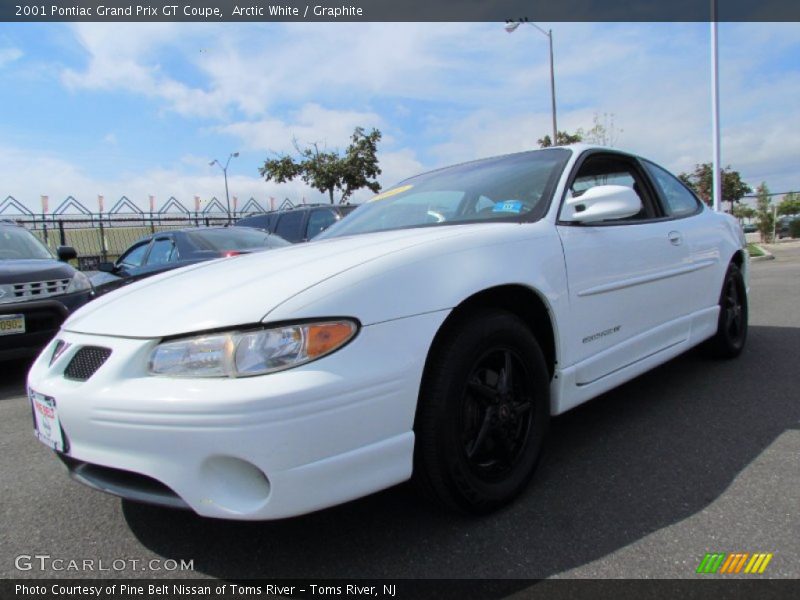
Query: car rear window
319, 220
290, 226
680, 201
233, 238
257, 221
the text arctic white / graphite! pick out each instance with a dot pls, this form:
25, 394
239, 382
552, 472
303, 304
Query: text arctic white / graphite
280, 10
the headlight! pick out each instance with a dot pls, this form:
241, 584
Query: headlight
7, 294
245, 353
78, 283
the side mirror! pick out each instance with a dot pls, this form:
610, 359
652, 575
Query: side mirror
106, 267
601, 203
66, 253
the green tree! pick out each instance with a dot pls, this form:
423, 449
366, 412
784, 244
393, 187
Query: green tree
564, 139
603, 132
765, 218
742, 212
790, 205
329, 171
701, 181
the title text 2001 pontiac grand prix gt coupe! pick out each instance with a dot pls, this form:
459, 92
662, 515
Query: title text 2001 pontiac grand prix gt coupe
430, 334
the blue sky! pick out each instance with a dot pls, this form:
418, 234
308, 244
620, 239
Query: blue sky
139, 109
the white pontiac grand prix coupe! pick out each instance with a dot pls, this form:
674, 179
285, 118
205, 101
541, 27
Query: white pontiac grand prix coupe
429, 335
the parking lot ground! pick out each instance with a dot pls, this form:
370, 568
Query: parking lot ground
696, 456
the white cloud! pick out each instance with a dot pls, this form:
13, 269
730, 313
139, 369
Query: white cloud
482, 91
310, 124
126, 56
253, 69
58, 178
9, 55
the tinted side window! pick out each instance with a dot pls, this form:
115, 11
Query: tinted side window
134, 256
680, 201
289, 226
601, 169
318, 221
162, 252
259, 222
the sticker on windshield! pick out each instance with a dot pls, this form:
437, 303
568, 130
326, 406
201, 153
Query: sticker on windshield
509, 206
392, 192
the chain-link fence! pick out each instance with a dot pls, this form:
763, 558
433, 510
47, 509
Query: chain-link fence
104, 238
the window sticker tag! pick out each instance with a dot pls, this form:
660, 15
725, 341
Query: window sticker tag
392, 192
509, 206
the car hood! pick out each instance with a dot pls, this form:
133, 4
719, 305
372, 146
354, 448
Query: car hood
101, 278
239, 290
29, 270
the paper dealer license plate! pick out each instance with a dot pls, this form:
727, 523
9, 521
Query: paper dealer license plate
46, 425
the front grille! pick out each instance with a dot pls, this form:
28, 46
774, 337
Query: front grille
40, 289
85, 362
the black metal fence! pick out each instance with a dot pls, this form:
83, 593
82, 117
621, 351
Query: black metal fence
101, 237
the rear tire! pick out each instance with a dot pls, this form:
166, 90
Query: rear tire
731, 334
483, 411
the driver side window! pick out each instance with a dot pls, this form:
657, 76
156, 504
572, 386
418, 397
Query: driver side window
134, 256
611, 170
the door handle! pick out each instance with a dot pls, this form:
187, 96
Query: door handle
675, 238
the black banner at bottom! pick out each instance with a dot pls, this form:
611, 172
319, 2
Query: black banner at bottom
399, 589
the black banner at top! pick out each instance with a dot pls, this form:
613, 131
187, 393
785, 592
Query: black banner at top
399, 10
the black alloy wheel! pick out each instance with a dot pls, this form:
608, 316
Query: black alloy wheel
731, 334
496, 413
483, 411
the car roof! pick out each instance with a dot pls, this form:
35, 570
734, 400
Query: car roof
300, 208
305, 207
576, 149
150, 236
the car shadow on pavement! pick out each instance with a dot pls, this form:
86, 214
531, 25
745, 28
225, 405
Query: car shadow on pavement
15, 373
638, 459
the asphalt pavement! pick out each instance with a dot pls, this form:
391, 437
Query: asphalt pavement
696, 456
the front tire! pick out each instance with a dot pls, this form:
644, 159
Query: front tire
731, 334
483, 411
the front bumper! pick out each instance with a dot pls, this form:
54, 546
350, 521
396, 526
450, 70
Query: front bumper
262, 447
42, 320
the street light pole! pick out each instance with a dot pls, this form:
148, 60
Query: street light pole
716, 187
512, 26
225, 174
553, 87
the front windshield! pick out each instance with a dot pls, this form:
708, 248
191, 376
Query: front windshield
513, 187
17, 243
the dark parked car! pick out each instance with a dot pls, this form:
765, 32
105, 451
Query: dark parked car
37, 292
784, 226
168, 250
299, 224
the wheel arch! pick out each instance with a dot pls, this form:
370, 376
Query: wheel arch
524, 302
738, 258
